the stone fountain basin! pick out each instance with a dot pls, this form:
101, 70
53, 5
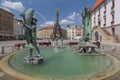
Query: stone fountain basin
60, 64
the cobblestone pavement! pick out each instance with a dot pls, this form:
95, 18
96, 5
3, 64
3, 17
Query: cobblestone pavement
117, 75
5, 76
107, 47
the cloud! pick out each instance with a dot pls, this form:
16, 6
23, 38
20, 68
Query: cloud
71, 19
66, 22
72, 16
78, 14
62, 22
48, 23
13, 5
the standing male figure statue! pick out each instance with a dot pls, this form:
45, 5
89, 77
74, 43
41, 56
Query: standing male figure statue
86, 21
29, 24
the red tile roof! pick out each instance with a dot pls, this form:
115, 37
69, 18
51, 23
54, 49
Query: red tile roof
48, 27
97, 4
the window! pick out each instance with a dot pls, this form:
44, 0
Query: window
99, 10
113, 5
105, 6
104, 20
112, 11
94, 21
99, 22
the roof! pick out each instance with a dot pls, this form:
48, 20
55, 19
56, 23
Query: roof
48, 27
97, 4
6, 11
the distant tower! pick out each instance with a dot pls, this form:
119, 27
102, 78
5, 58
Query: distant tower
57, 30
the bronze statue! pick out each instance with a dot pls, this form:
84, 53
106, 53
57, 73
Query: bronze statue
29, 24
86, 21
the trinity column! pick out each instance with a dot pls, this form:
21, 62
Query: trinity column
57, 30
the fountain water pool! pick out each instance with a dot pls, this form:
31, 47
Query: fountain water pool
60, 63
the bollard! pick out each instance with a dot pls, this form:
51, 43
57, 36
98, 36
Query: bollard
103, 47
12, 48
2, 49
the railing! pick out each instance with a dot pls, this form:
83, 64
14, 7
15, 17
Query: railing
73, 43
44, 43
19, 45
9, 49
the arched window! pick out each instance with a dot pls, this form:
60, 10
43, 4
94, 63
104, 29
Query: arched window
96, 36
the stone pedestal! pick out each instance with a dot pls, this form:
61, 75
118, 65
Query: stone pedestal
33, 60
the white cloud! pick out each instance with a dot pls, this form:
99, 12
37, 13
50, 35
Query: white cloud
78, 14
71, 19
62, 22
72, 16
66, 22
13, 5
48, 23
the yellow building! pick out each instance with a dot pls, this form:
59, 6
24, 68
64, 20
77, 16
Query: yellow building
46, 32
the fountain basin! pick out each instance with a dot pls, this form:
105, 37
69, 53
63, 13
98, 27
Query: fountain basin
60, 64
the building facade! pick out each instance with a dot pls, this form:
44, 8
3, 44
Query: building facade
47, 32
74, 32
105, 20
18, 29
6, 25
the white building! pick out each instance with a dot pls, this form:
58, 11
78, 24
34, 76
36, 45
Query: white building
106, 20
18, 29
73, 32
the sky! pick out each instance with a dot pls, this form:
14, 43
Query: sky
45, 10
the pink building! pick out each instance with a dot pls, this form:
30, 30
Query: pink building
74, 32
